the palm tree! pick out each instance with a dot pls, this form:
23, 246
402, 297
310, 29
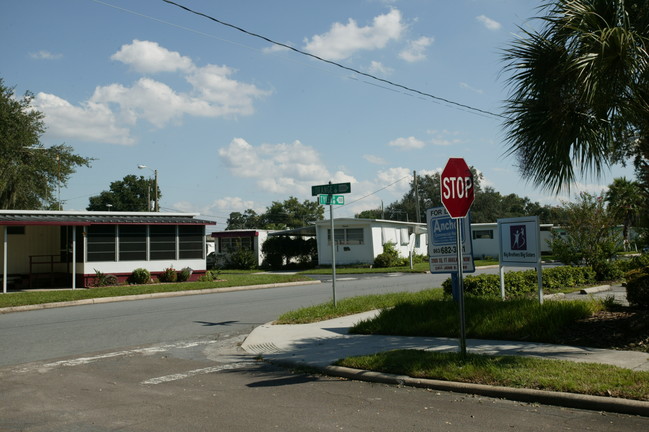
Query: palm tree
625, 203
579, 97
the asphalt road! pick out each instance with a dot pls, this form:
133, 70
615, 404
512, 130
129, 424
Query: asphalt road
175, 364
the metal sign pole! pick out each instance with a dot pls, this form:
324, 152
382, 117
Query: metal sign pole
460, 265
333, 252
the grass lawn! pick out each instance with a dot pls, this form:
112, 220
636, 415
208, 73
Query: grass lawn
510, 371
62, 295
427, 313
421, 267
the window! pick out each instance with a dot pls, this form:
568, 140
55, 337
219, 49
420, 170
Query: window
190, 241
162, 240
233, 244
101, 243
347, 236
132, 242
16, 230
483, 234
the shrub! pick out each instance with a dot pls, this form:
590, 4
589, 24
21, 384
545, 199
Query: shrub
185, 274
102, 279
524, 283
242, 260
637, 288
210, 276
168, 275
140, 276
388, 258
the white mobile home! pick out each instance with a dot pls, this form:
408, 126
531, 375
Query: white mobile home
227, 242
359, 241
485, 239
69, 249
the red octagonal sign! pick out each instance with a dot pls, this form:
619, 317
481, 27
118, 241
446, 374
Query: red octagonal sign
457, 187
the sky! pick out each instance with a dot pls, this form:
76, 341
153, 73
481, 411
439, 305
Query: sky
232, 122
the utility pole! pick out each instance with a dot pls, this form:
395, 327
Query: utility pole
418, 218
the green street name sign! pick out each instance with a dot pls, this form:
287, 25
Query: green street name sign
329, 189
332, 199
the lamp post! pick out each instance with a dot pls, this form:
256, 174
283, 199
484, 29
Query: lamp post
156, 206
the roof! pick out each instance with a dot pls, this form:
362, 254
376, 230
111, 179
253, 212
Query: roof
42, 217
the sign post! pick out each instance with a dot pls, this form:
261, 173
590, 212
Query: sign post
457, 196
326, 197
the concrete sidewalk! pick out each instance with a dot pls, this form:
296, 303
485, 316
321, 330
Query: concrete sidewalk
320, 344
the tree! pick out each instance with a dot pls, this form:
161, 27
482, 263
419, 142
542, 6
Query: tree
625, 203
30, 174
291, 214
590, 236
249, 219
580, 91
130, 194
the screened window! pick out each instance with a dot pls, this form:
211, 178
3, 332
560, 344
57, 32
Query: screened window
15, 230
162, 242
190, 241
234, 244
347, 236
483, 234
132, 242
101, 243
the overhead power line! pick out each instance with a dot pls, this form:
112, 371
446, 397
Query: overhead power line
356, 71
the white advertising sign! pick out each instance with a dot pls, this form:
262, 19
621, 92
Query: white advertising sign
442, 248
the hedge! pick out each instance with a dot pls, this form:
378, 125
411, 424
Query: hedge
524, 283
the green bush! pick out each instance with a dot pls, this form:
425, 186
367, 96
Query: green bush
140, 276
241, 260
637, 287
168, 275
388, 258
524, 283
185, 274
210, 276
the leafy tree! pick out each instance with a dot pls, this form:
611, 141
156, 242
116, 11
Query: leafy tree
625, 203
370, 214
128, 194
590, 236
291, 214
249, 219
30, 174
580, 91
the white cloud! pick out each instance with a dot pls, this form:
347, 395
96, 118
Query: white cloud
416, 50
45, 55
407, 143
113, 109
280, 168
232, 204
397, 178
376, 160
444, 138
343, 40
488, 23
149, 57
377, 68
88, 122
468, 87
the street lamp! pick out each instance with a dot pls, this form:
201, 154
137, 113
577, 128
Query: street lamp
156, 206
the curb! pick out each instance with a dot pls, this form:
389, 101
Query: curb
595, 289
563, 399
100, 300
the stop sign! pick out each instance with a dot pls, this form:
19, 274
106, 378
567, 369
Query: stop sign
457, 187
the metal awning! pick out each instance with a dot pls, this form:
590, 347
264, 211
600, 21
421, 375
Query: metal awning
98, 218
308, 231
